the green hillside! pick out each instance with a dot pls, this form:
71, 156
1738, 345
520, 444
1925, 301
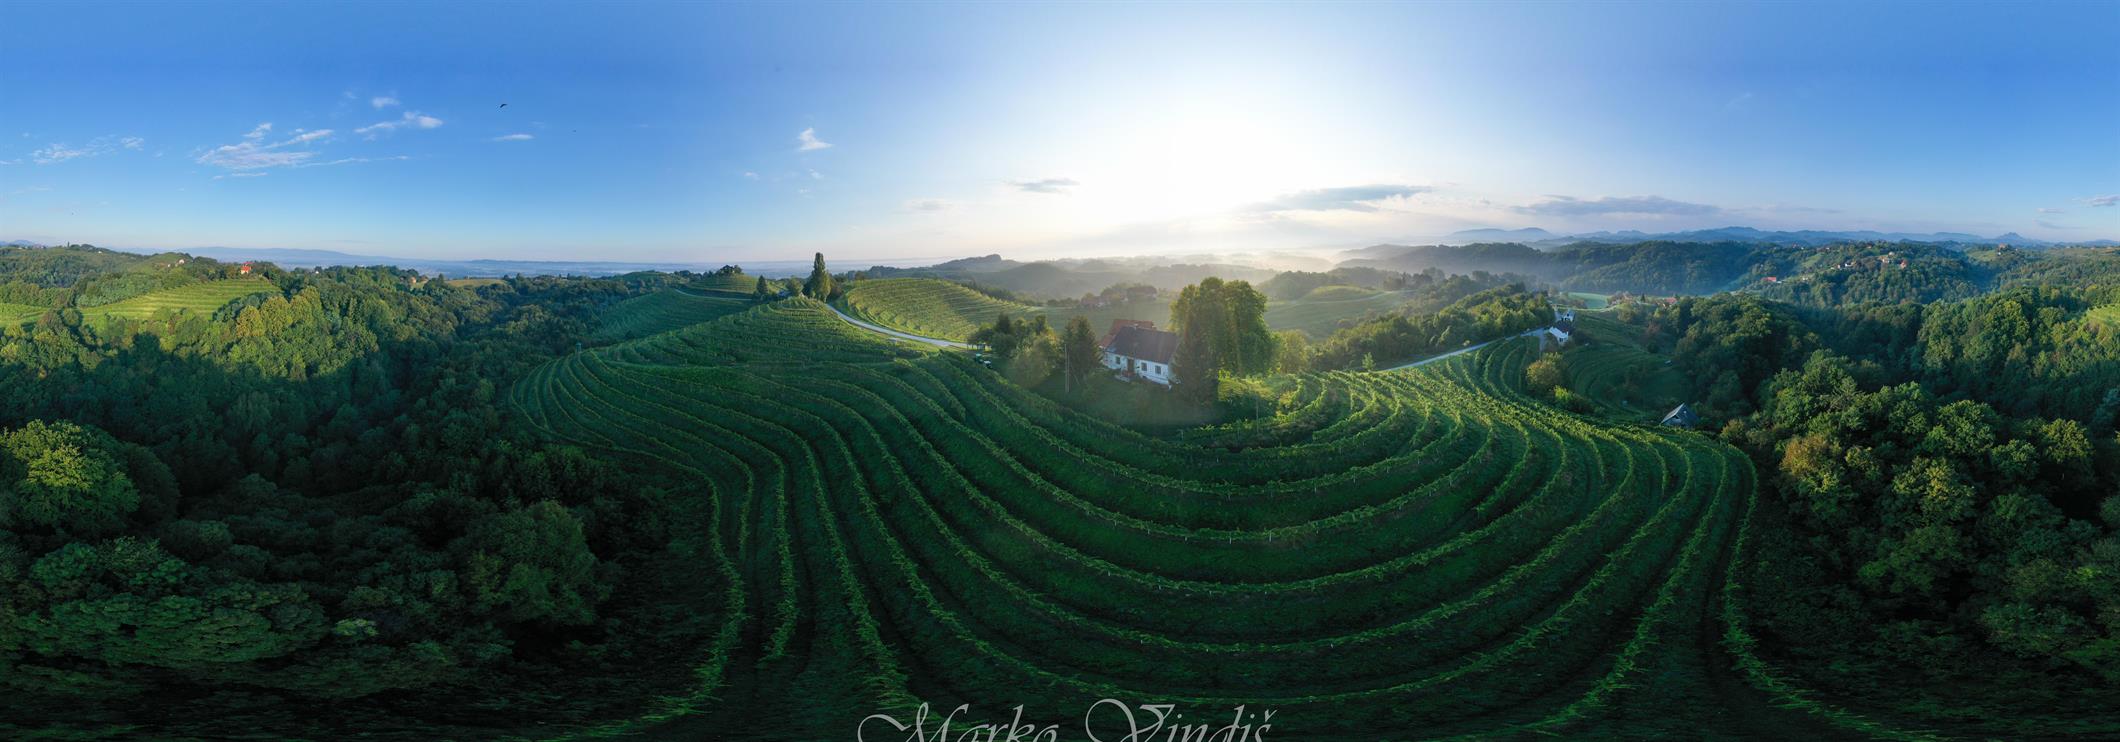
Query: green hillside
1321, 311
1385, 552
19, 312
735, 283
927, 306
661, 311
197, 298
941, 309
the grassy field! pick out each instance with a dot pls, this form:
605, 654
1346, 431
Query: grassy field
2108, 315
661, 311
1590, 300
735, 284
472, 283
1425, 553
198, 298
19, 312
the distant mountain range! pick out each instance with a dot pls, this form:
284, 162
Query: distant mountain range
483, 268
1536, 237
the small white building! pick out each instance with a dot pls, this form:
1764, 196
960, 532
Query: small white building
1142, 352
1555, 335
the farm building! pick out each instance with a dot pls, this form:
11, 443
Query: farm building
1557, 335
1139, 351
1682, 416
1117, 324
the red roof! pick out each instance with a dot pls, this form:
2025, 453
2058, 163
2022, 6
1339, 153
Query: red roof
1118, 324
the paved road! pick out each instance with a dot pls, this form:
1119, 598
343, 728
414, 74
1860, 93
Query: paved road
937, 342
1461, 351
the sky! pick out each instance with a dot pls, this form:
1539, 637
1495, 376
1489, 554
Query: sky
717, 132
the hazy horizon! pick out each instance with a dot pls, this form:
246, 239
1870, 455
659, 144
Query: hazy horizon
696, 133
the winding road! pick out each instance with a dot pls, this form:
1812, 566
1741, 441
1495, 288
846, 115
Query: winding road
1461, 351
937, 342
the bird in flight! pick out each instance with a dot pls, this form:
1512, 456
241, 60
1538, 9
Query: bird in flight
504, 105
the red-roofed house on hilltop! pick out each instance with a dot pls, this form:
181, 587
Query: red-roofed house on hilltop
1117, 324
245, 270
1142, 352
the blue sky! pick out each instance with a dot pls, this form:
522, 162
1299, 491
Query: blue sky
708, 132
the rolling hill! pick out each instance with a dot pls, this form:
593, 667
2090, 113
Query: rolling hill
661, 311
928, 307
198, 298
1422, 550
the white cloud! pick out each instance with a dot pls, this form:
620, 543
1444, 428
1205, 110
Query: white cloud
2045, 210
412, 119
252, 174
1346, 198
930, 205
254, 153
809, 140
58, 152
750, 175
1616, 205
814, 175
1044, 185
514, 138
382, 101
2097, 201
352, 160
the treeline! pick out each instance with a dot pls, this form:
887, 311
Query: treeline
315, 493
1831, 275
1950, 474
1486, 315
1646, 267
1872, 273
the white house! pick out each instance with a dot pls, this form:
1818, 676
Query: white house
1142, 352
1555, 335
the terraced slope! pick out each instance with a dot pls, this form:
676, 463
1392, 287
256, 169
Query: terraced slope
941, 309
1394, 555
928, 307
198, 298
662, 311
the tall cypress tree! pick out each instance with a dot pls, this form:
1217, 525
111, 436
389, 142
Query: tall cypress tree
1078, 352
819, 286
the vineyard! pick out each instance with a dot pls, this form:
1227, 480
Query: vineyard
929, 307
198, 298
941, 309
1322, 310
1410, 554
661, 311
